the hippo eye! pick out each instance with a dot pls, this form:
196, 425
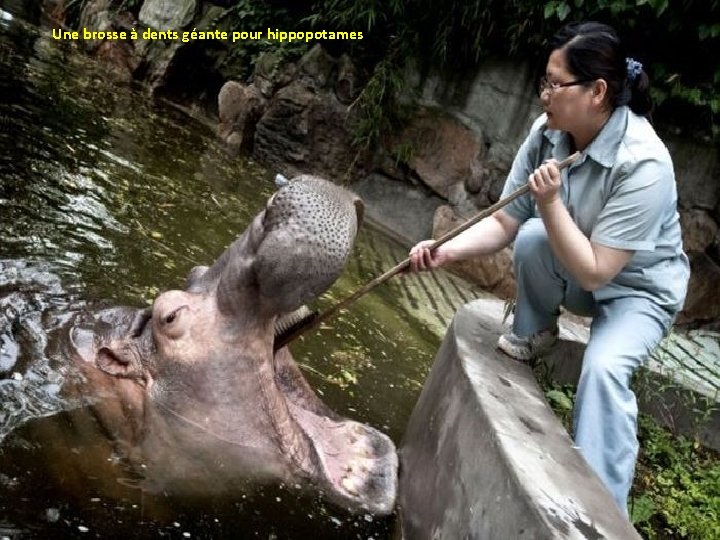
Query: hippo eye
170, 317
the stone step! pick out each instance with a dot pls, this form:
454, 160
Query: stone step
483, 455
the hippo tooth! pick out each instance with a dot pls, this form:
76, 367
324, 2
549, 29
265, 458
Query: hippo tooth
350, 484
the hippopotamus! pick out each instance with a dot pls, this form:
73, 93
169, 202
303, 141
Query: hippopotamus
192, 387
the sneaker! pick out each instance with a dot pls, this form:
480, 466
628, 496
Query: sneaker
527, 348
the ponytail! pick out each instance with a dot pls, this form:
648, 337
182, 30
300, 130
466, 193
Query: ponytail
640, 100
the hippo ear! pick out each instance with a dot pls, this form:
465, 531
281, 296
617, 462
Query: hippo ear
194, 277
118, 363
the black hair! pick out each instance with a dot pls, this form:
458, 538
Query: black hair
593, 51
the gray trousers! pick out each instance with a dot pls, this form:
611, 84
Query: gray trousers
624, 332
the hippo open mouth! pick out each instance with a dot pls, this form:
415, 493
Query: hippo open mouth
208, 396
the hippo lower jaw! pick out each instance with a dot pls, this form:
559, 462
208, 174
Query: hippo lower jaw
357, 462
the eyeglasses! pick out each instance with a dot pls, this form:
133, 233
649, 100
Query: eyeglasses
551, 87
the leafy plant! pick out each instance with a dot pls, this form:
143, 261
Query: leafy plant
686, 86
561, 400
677, 486
676, 491
375, 110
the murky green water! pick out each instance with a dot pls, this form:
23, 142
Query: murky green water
107, 198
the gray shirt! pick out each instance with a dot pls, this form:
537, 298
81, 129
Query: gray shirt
621, 193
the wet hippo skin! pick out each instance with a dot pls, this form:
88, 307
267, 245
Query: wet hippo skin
191, 388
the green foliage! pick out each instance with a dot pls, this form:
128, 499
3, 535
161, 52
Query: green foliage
674, 40
508, 309
254, 16
676, 491
376, 109
561, 401
358, 15
403, 152
678, 485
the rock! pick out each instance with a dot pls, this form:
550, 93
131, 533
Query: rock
271, 74
484, 456
167, 14
498, 163
235, 143
282, 134
497, 97
397, 208
54, 10
474, 183
316, 67
389, 165
697, 170
121, 56
491, 175
303, 130
239, 109
95, 16
702, 302
714, 249
698, 230
346, 85
445, 151
493, 273
158, 58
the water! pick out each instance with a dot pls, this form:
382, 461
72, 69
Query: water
108, 198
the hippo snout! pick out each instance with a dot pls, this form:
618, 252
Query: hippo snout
310, 226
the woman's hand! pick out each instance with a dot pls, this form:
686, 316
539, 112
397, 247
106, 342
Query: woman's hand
422, 258
545, 183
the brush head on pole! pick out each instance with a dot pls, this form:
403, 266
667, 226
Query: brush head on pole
289, 323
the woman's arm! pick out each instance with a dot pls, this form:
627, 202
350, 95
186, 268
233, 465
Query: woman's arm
485, 237
592, 265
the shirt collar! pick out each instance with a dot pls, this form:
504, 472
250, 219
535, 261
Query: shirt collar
603, 148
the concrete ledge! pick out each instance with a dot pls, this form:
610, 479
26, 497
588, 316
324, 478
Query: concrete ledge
485, 457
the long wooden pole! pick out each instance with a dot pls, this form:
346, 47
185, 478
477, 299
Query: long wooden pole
315, 320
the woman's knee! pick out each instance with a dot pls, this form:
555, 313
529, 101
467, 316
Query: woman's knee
531, 242
604, 364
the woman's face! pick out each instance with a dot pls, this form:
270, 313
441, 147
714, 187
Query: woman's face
567, 107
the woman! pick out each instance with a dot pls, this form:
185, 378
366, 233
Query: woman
601, 238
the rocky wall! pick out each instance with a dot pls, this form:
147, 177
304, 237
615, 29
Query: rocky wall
462, 140
456, 149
